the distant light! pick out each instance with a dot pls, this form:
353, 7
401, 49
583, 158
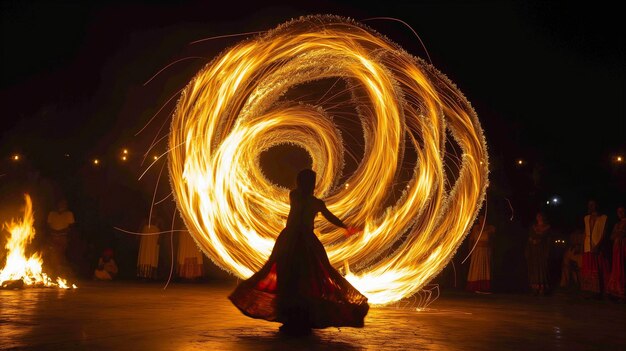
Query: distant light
347, 185
15, 157
481, 162
125, 151
67, 155
123, 158
556, 200
520, 162
619, 159
548, 202
155, 158
96, 161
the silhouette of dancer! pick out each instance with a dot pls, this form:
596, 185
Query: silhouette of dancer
297, 285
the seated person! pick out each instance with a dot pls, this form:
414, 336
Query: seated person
107, 269
572, 260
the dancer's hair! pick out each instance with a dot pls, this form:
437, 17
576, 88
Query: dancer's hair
306, 181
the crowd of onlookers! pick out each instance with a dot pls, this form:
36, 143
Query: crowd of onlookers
592, 259
499, 254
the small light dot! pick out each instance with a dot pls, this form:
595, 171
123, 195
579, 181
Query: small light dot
16, 157
123, 158
96, 161
155, 158
125, 151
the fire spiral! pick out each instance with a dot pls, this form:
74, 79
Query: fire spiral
233, 109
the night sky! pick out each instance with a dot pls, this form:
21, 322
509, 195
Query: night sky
547, 80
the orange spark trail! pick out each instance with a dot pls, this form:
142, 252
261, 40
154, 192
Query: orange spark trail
231, 111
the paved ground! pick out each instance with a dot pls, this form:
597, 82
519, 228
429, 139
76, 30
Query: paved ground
135, 316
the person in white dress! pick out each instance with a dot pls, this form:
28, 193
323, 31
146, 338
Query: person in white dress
189, 258
148, 258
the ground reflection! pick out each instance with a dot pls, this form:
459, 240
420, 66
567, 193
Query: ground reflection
277, 341
132, 316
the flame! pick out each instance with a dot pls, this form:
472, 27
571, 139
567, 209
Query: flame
18, 266
230, 112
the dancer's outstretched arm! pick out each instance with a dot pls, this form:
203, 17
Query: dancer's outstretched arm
331, 217
336, 221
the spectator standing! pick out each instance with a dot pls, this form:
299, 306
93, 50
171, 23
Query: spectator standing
189, 258
537, 254
60, 222
594, 263
148, 258
617, 279
479, 276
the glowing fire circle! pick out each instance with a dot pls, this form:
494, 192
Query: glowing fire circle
230, 112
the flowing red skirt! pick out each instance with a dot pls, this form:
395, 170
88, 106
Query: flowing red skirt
298, 286
594, 272
617, 280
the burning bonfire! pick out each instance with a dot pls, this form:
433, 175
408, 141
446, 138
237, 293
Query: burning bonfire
18, 269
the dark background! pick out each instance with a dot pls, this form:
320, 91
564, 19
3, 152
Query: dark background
546, 79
